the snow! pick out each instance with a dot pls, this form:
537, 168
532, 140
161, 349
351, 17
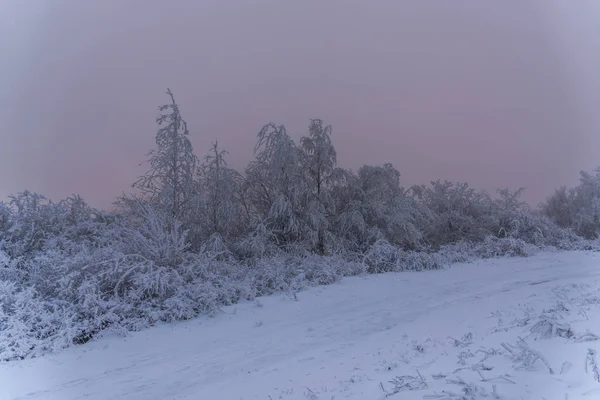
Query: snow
349, 340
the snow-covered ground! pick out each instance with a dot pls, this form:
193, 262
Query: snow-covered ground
433, 333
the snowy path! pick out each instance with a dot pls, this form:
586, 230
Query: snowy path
334, 342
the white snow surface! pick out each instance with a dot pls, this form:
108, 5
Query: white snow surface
350, 339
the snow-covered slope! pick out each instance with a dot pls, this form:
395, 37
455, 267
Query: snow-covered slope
432, 332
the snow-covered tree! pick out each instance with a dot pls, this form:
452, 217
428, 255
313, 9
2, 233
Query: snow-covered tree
461, 212
169, 182
559, 207
509, 212
276, 188
221, 189
34, 220
577, 208
372, 205
586, 204
319, 165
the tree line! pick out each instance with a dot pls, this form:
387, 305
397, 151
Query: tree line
196, 234
294, 198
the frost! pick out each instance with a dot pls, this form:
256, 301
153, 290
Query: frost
198, 236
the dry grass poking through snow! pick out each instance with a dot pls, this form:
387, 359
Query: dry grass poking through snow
531, 353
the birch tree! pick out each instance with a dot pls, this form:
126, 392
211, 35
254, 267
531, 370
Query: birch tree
372, 206
221, 193
276, 188
461, 212
169, 182
586, 204
319, 160
559, 207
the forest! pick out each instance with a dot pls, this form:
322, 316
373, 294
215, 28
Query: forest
195, 235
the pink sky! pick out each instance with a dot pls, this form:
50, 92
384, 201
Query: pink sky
498, 94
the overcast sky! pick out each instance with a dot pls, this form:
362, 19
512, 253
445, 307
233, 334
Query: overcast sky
498, 94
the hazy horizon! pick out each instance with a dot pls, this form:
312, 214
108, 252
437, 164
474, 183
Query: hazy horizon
497, 95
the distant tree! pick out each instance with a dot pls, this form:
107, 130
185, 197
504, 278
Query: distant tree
169, 183
461, 212
559, 207
5, 220
509, 212
586, 204
577, 208
33, 222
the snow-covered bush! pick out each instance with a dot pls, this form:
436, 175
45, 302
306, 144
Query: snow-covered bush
460, 252
493, 247
372, 205
382, 257
29, 325
577, 208
460, 213
420, 261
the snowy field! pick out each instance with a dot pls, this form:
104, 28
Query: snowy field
509, 329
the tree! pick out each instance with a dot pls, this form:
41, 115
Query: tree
510, 212
586, 205
221, 190
319, 165
371, 205
461, 213
169, 183
275, 186
577, 208
559, 207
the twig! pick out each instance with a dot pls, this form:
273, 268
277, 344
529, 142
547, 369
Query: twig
590, 360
